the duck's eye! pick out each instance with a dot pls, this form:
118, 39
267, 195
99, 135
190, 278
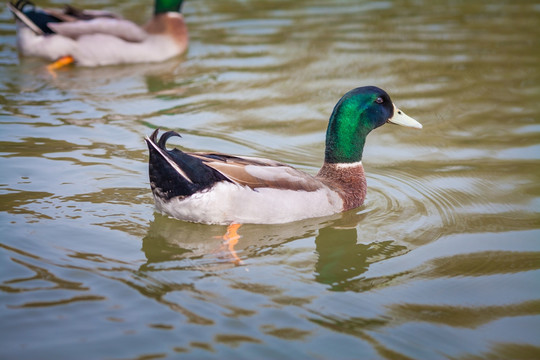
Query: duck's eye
379, 100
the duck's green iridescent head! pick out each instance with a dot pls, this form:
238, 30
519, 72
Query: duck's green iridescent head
357, 113
164, 6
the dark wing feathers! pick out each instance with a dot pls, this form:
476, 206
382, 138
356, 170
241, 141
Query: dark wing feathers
174, 173
38, 19
178, 173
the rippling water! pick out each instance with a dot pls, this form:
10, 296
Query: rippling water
442, 261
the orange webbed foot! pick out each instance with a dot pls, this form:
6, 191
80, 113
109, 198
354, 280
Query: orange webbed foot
230, 239
61, 62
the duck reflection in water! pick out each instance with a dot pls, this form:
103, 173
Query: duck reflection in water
210, 245
341, 257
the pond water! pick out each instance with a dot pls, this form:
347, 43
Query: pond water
442, 261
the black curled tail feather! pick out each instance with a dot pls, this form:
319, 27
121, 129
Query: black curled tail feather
174, 173
164, 137
20, 4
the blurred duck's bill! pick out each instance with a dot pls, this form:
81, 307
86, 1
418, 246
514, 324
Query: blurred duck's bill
400, 118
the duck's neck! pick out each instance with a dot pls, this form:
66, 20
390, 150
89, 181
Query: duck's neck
348, 127
348, 179
168, 20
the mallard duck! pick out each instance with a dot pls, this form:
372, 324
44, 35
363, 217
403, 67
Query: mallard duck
94, 38
225, 189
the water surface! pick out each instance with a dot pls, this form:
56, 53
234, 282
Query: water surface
442, 261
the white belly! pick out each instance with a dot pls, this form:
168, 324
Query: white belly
228, 203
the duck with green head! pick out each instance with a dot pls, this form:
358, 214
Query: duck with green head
94, 38
224, 189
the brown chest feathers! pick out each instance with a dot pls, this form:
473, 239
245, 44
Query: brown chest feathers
348, 180
171, 24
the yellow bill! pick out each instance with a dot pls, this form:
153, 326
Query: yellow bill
400, 118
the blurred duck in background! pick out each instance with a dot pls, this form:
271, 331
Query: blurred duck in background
97, 38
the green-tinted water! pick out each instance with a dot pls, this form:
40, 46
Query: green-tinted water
442, 261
